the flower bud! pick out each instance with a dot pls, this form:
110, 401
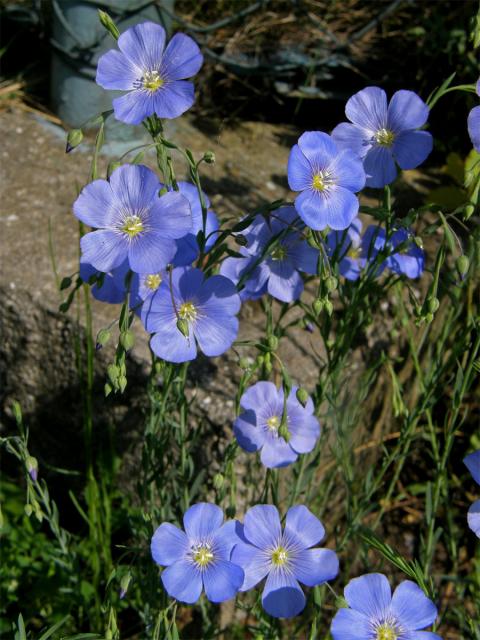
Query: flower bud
218, 481
103, 336
113, 373
124, 583
267, 363
182, 326
209, 157
429, 318
32, 467
328, 307
462, 264
283, 431
302, 396
272, 343
308, 326
127, 339
65, 283
108, 23
74, 138
331, 283
122, 383
107, 389
28, 510
433, 304
244, 363
317, 306
468, 211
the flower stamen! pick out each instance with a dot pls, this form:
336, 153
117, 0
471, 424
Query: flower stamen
384, 137
132, 226
153, 281
273, 423
202, 555
151, 81
279, 556
386, 632
187, 311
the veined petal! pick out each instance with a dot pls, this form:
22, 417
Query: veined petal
304, 257
186, 283
150, 252
473, 123
216, 334
277, 453
348, 171
368, 108
423, 635
299, 170
104, 249
174, 98
201, 520
115, 71
169, 544
412, 607
473, 518
282, 596
226, 537
319, 149
350, 625
379, 167
183, 581
411, 148
406, 111
94, 204
259, 395
134, 107
315, 566
182, 58
222, 580
351, 137
472, 462
335, 209
134, 187
369, 594
171, 345
143, 44
218, 295
304, 434
254, 562
171, 215
302, 527
262, 526
285, 283
249, 436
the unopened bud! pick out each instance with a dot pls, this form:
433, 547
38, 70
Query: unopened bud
462, 264
182, 326
468, 211
32, 467
108, 23
283, 431
244, 363
122, 383
113, 373
272, 342
127, 339
209, 157
74, 138
302, 396
218, 481
317, 306
429, 318
103, 336
331, 283
124, 583
65, 283
107, 389
328, 307
308, 326
433, 304
267, 363
28, 510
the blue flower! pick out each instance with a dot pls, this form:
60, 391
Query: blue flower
199, 558
375, 614
383, 134
110, 287
474, 123
284, 558
257, 428
328, 178
207, 308
278, 274
132, 220
187, 247
409, 259
472, 462
345, 247
153, 76
373, 242
148, 283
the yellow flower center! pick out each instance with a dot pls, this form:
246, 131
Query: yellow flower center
132, 226
384, 138
354, 252
273, 423
151, 81
279, 253
279, 556
318, 182
187, 311
203, 555
386, 632
153, 281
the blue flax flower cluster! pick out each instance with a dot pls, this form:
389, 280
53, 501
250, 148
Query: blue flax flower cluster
373, 613
472, 463
224, 558
473, 123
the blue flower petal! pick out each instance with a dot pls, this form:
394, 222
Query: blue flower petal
94, 205
411, 148
216, 333
350, 625
303, 527
171, 216
104, 249
473, 518
369, 594
182, 58
412, 607
186, 283
259, 395
277, 453
171, 345
304, 257
183, 581
134, 107
473, 123
261, 526
379, 167
335, 209
201, 520
254, 562
174, 98
250, 437
218, 295
134, 186
299, 170
319, 149
368, 109
406, 111
304, 434
150, 252
348, 171
472, 462
349, 136
284, 283
315, 566
423, 635
282, 596
226, 537
222, 580
169, 544
143, 44
115, 71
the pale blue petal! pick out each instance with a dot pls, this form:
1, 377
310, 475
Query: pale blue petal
473, 518
222, 580
348, 171
94, 204
299, 170
218, 295
261, 394
150, 252
304, 434
173, 99
143, 44
255, 563
115, 71
249, 436
406, 111
182, 58
369, 594
349, 136
183, 581
215, 335
412, 607
319, 149
368, 109
302, 527
335, 209
201, 520
226, 537
282, 596
379, 167
284, 283
473, 123
315, 566
411, 148
171, 215
472, 462
134, 107
104, 249
350, 625
262, 526
171, 345
169, 544
135, 187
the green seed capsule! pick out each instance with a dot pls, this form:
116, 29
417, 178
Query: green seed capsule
462, 264
302, 396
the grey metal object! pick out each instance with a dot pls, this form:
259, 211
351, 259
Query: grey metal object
78, 40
